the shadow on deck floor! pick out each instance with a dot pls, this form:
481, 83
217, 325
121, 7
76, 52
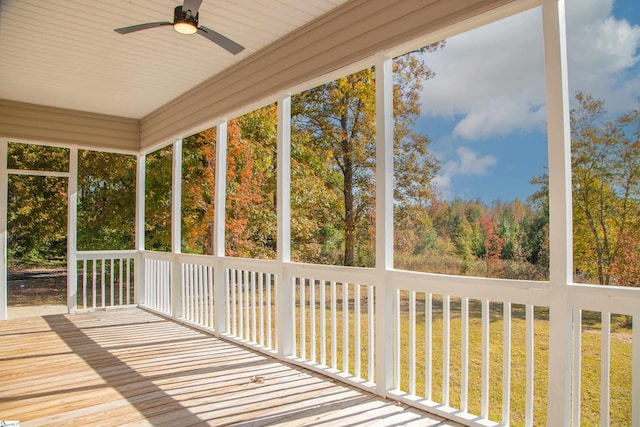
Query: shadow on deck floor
132, 367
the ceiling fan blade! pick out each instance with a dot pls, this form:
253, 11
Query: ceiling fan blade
131, 29
221, 40
192, 5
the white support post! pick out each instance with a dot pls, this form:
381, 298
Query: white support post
4, 199
560, 216
635, 370
220, 295
384, 225
285, 302
72, 231
139, 296
176, 230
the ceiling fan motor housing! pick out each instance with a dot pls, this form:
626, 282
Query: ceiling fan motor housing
180, 16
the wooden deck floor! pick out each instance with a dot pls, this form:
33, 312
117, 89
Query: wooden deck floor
131, 367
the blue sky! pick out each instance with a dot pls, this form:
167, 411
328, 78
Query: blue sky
485, 109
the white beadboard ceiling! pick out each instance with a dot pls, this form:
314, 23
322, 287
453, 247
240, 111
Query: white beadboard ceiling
64, 53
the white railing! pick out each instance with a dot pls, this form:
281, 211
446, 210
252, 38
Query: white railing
593, 305
333, 325
251, 293
105, 279
197, 291
471, 349
451, 328
157, 281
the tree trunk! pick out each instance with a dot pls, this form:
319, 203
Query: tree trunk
208, 243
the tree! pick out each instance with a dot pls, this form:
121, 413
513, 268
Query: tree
198, 189
106, 200
493, 244
315, 205
36, 219
626, 266
250, 229
606, 168
462, 239
250, 206
37, 206
605, 162
158, 200
414, 166
339, 118
37, 157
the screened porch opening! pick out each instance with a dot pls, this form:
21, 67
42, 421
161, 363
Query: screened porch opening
338, 232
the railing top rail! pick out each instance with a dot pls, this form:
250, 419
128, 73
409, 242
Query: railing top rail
515, 291
337, 273
470, 280
613, 299
164, 256
262, 265
198, 259
616, 299
108, 254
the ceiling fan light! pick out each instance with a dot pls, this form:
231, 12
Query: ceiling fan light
183, 27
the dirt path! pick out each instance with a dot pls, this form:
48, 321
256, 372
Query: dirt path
37, 286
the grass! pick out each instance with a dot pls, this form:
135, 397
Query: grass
620, 369
620, 380
518, 374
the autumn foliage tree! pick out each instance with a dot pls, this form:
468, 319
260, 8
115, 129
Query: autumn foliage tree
625, 269
606, 185
338, 120
250, 204
250, 176
605, 165
493, 245
198, 190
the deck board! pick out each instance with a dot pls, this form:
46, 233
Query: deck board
134, 368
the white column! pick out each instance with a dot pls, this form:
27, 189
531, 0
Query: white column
176, 198
176, 230
4, 190
635, 380
219, 224
72, 231
384, 224
560, 217
284, 179
285, 313
221, 190
140, 231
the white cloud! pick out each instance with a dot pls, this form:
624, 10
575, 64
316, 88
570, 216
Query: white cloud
468, 162
498, 67
500, 117
492, 79
600, 50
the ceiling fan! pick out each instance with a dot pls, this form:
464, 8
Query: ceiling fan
185, 21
